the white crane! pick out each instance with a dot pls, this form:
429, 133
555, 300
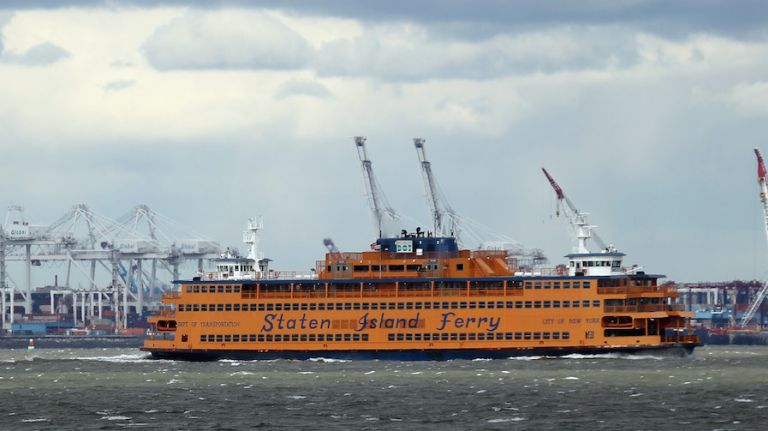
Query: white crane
444, 219
761, 172
576, 218
384, 216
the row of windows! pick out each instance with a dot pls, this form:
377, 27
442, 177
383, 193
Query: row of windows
556, 284
390, 305
252, 338
512, 284
481, 336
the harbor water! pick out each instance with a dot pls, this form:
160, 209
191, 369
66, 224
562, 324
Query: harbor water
717, 388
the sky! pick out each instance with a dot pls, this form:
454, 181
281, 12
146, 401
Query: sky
646, 112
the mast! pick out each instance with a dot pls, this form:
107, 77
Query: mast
383, 214
761, 294
576, 218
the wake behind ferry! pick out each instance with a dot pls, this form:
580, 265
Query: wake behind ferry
418, 295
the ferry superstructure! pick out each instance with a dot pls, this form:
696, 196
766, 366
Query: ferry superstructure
418, 296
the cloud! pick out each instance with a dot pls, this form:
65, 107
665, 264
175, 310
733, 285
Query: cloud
39, 55
296, 87
119, 85
226, 40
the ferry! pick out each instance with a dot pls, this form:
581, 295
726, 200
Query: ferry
418, 296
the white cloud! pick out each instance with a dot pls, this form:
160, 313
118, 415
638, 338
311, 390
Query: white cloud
296, 87
42, 54
226, 39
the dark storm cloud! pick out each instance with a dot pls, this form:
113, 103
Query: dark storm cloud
734, 18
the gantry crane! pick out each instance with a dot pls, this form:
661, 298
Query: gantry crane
761, 172
445, 221
384, 216
576, 218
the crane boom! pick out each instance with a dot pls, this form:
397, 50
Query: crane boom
576, 218
763, 292
444, 218
382, 212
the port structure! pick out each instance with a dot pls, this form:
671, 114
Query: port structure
385, 218
761, 294
583, 231
130, 250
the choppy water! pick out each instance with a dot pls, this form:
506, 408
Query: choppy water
719, 388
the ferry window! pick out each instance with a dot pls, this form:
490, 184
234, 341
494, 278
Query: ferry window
527, 335
471, 336
566, 304
566, 335
219, 338
294, 337
454, 305
443, 337
596, 303
547, 285
236, 307
418, 305
536, 304
537, 285
374, 306
196, 289
261, 307
417, 337
375, 268
409, 305
427, 305
252, 337
227, 338
511, 304
338, 337
585, 303
219, 307
462, 337
304, 306
413, 267
320, 337
575, 304
528, 284
585, 284
294, 307
499, 304
278, 307
203, 338
575, 284
261, 338
391, 337
211, 307
227, 307
396, 267
321, 306
189, 289
491, 304
220, 289
566, 285
311, 306
547, 304
360, 268
528, 304
556, 284
400, 306
481, 304
356, 306
228, 289
454, 336
459, 267
270, 307
555, 335
347, 306
312, 337
546, 336
204, 289
277, 337
500, 336
390, 305
203, 307
464, 304
444, 305
356, 337
408, 337
427, 337
555, 304
237, 289
303, 337
481, 337
236, 338
196, 307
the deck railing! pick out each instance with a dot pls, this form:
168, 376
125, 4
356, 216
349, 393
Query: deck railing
643, 308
